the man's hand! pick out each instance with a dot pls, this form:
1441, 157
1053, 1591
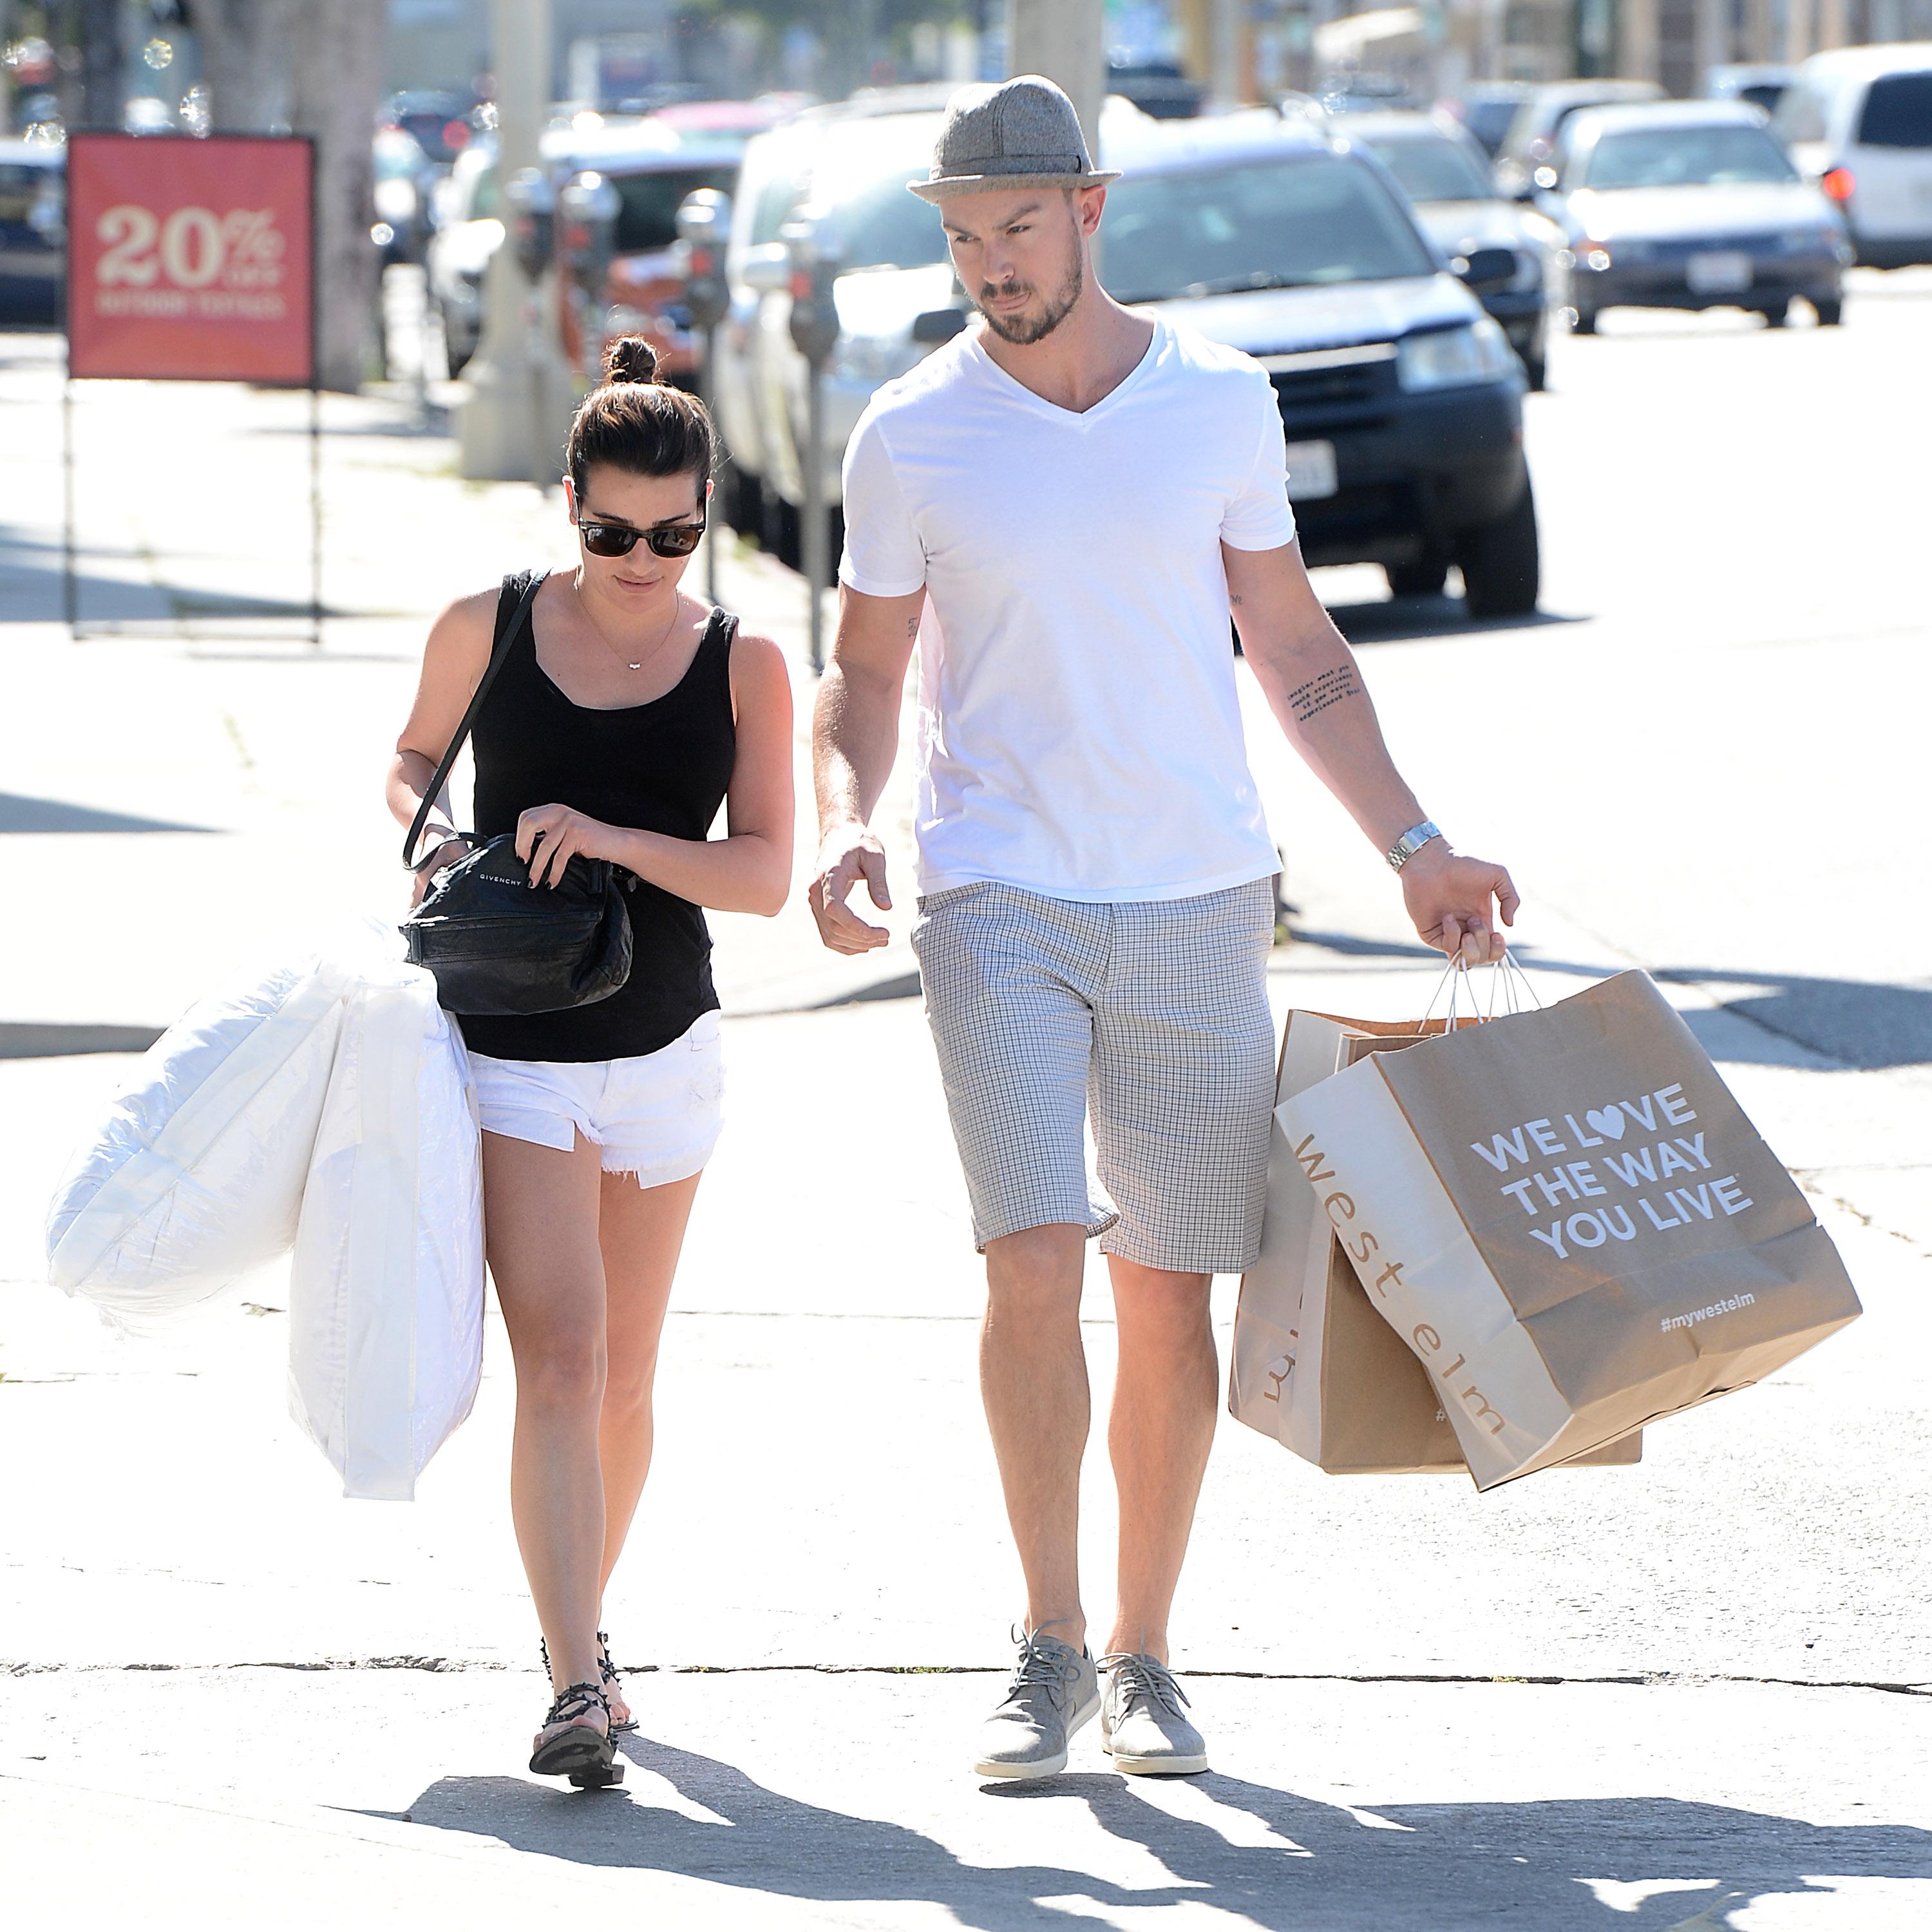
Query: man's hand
1449, 898
849, 854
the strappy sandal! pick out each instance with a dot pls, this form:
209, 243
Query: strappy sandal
609, 1671
605, 1669
588, 1758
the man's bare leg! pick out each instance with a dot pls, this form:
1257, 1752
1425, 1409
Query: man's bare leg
1032, 1378
1166, 1399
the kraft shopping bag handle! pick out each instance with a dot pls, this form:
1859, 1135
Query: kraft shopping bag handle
1455, 977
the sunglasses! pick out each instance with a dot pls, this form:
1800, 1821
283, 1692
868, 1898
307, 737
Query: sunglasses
661, 539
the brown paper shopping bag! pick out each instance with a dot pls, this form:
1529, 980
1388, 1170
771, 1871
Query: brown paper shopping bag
1568, 1219
1312, 1364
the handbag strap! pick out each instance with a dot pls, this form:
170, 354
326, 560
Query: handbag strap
500, 652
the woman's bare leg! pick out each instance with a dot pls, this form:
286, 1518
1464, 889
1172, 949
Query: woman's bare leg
641, 1233
540, 1213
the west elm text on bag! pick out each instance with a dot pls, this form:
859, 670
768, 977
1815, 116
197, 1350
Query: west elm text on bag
1640, 1166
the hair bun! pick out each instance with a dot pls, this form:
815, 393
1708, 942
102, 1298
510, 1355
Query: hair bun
630, 359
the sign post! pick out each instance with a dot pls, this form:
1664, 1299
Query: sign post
192, 261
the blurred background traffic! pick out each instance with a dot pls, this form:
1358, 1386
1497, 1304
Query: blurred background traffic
1395, 209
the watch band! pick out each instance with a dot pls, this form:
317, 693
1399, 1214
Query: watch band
1411, 842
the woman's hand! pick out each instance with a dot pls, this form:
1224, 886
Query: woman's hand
549, 836
447, 853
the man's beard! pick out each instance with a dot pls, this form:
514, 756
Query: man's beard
1023, 329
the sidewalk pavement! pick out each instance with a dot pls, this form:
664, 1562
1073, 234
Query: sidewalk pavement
1691, 1693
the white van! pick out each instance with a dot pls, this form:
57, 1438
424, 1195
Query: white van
1858, 122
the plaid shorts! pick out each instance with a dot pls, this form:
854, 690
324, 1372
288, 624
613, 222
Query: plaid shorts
1153, 1014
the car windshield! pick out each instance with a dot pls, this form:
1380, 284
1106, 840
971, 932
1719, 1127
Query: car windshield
881, 226
648, 203
1308, 221
1686, 158
22, 185
1489, 121
1898, 113
1433, 169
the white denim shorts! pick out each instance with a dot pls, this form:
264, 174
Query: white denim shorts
657, 1115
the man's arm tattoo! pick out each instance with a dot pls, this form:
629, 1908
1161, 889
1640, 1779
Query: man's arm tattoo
1334, 684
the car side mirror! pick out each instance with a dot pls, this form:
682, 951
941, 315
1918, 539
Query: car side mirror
1482, 266
938, 324
767, 268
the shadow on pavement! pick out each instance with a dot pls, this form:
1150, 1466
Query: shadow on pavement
1865, 1024
759, 1841
53, 814
1558, 1865
31, 570
1402, 617
49, 1039
1554, 1865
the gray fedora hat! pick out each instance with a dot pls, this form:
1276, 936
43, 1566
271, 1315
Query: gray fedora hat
1023, 132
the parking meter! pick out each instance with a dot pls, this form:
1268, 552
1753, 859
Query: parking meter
588, 208
816, 259
703, 229
815, 262
532, 203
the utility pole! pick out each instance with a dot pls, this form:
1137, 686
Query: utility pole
504, 428
1065, 41
101, 50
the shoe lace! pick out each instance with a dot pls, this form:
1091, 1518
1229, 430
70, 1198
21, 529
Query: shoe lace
1137, 1675
1039, 1668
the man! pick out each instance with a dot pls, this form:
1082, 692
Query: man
1074, 498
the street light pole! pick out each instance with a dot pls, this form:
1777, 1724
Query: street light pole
498, 426
1066, 40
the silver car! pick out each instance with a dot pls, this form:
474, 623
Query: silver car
1691, 204
1504, 251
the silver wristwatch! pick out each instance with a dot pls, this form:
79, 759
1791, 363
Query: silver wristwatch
1411, 842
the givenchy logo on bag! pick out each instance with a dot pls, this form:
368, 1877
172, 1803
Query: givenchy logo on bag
1360, 1244
1640, 1168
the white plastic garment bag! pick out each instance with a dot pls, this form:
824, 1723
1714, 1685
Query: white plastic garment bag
386, 1300
195, 1175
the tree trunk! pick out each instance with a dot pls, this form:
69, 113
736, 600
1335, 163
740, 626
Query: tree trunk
275, 66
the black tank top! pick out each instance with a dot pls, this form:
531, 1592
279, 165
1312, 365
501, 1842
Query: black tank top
663, 766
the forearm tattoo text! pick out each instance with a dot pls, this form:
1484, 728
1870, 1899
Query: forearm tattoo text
1334, 684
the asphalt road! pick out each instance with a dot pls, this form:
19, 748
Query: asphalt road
1704, 757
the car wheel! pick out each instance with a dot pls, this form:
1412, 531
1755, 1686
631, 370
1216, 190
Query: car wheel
1831, 310
1500, 562
1425, 577
744, 500
1585, 323
1776, 318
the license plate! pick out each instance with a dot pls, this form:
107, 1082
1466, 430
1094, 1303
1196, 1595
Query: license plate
1311, 470
1718, 274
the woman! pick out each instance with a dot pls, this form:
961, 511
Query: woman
626, 712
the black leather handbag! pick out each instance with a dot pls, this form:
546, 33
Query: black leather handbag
495, 945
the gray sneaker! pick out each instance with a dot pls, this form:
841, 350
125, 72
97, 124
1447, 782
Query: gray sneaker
1055, 1691
1141, 1728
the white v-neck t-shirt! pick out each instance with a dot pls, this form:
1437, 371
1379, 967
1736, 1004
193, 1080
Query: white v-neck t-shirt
1080, 732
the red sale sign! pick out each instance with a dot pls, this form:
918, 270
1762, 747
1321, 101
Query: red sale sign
191, 258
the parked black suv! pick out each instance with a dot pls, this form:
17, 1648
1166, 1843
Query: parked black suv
1401, 401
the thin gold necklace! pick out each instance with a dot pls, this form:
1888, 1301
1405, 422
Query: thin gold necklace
635, 664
